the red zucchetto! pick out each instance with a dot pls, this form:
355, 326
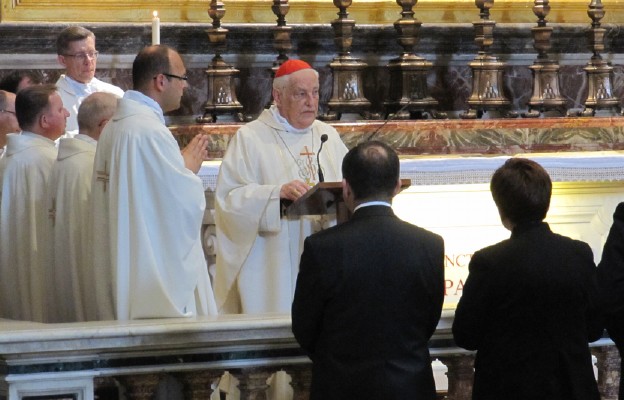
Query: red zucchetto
291, 66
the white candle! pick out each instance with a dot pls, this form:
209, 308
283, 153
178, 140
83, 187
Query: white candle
155, 28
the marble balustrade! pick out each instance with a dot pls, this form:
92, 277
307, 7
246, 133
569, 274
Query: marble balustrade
448, 46
130, 358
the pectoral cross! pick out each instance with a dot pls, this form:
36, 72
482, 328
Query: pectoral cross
52, 211
310, 170
102, 176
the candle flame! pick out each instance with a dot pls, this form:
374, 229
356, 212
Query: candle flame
155, 13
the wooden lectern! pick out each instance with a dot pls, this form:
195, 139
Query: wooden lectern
324, 198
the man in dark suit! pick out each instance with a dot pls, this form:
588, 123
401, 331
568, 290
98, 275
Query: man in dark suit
611, 282
370, 291
527, 305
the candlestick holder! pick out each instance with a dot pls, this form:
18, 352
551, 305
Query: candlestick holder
599, 72
487, 70
347, 70
281, 38
409, 95
221, 93
546, 95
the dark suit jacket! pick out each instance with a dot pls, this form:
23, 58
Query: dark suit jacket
525, 308
611, 278
369, 296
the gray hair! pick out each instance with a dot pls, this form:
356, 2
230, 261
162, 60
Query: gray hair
95, 108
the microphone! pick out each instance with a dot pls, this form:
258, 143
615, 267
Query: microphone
318, 160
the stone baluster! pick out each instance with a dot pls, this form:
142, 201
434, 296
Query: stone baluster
253, 383
301, 378
140, 387
460, 376
608, 364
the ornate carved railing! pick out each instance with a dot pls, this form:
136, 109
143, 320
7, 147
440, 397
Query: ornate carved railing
240, 356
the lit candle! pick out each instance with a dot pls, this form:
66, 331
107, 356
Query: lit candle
155, 28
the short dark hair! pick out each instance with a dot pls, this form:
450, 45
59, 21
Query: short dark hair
71, 34
372, 170
150, 61
521, 189
30, 102
11, 81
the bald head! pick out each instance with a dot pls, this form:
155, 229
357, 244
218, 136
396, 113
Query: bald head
94, 113
8, 120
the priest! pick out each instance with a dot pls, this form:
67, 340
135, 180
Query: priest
24, 235
269, 161
75, 48
148, 202
69, 207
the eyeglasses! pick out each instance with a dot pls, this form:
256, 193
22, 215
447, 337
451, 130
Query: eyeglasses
7, 111
82, 57
182, 78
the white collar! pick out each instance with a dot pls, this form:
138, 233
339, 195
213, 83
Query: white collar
145, 100
372, 203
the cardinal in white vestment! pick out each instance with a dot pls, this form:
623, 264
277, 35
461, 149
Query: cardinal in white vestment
269, 160
148, 203
70, 209
24, 236
76, 51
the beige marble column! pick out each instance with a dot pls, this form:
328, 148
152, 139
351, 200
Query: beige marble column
608, 364
140, 387
460, 375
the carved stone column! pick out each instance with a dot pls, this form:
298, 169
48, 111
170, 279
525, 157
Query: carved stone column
599, 72
487, 70
140, 387
460, 376
546, 94
301, 376
409, 95
608, 364
253, 383
221, 94
347, 93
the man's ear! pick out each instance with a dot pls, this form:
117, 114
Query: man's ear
277, 97
397, 188
346, 189
159, 82
61, 60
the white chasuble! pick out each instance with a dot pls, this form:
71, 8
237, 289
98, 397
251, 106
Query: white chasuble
70, 210
148, 209
25, 240
258, 250
73, 93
